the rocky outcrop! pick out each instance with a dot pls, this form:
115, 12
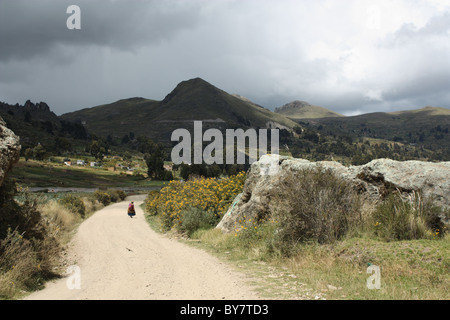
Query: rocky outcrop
9, 149
375, 179
29, 111
297, 104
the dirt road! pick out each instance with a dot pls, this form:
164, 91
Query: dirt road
122, 258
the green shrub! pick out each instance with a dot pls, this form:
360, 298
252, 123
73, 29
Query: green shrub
18, 263
29, 252
120, 194
405, 219
151, 202
102, 197
326, 207
106, 197
22, 215
194, 219
113, 196
74, 204
259, 237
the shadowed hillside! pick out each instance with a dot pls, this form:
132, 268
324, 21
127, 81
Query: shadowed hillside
191, 100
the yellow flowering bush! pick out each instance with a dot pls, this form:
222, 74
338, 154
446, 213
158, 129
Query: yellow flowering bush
211, 195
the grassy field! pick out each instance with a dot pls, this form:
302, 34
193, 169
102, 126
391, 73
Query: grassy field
48, 174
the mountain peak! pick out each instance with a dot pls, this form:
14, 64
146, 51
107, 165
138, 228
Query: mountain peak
194, 82
296, 104
39, 111
188, 87
303, 110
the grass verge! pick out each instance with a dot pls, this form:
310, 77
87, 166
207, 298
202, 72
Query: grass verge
410, 269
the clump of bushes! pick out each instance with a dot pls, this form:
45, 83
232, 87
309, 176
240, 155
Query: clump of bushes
195, 203
75, 204
19, 264
326, 207
102, 197
117, 195
59, 217
28, 248
107, 197
23, 215
194, 219
397, 218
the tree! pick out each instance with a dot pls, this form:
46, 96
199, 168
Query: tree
27, 117
62, 144
125, 139
146, 145
155, 164
97, 150
184, 171
28, 154
127, 157
109, 140
311, 136
39, 152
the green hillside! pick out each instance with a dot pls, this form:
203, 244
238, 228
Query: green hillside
427, 111
425, 129
118, 118
191, 100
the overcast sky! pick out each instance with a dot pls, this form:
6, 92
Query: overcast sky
350, 56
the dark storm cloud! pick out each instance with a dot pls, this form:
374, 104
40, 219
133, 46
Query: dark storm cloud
34, 28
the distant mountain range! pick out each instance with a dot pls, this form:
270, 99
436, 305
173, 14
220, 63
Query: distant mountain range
196, 99
428, 126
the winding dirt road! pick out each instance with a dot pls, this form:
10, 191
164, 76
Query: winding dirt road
123, 258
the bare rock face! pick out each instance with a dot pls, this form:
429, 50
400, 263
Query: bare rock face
375, 179
9, 149
430, 178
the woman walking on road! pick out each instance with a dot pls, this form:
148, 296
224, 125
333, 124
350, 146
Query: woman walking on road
131, 211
